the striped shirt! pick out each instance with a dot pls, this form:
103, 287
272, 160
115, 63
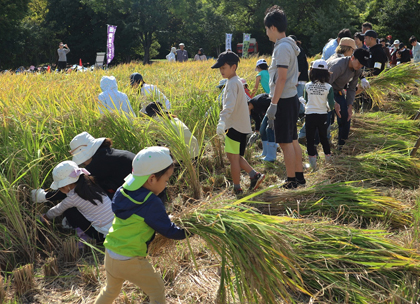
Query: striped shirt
99, 215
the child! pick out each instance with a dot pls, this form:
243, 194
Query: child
86, 206
113, 100
319, 97
262, 77
139, 213
148, 90
234, 122
247, 92
283, 111
155, 108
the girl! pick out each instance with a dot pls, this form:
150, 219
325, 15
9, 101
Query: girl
319, 97
94, 215
148, 90
262, 77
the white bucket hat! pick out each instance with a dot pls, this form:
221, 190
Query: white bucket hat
147, 162
66, 173
83, 146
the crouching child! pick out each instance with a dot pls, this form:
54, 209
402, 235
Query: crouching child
139, 214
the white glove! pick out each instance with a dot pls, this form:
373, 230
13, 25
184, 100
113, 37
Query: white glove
271, 111
365, 84
38, 196
221, 128
302, 100
270, 124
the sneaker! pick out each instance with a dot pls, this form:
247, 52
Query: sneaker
238, 192
301, 182
290, 184
256, 181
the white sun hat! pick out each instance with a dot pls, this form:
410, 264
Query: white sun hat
83, 146
66, 173
147, 162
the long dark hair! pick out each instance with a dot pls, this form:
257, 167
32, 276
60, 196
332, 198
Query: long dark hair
87, 189
318, 75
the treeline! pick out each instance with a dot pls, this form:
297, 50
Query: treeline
30, 30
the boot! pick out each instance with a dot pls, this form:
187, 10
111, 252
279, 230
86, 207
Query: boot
264, 151
271, 152
328, 158
312, 162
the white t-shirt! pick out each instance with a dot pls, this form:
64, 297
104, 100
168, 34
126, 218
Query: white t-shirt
316, 95
152, 91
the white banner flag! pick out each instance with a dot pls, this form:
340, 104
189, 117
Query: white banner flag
228, 42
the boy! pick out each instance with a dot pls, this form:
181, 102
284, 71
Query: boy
139, 213
283, 111
234, 122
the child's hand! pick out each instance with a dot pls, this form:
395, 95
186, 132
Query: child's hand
220, 130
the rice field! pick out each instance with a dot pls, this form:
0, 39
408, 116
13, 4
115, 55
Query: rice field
350, 236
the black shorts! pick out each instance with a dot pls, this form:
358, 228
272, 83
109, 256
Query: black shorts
235, 142
62, 65
286, 118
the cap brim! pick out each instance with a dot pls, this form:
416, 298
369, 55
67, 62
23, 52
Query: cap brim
217, 65
133, 182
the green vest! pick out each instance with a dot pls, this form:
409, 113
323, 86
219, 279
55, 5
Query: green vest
129, 237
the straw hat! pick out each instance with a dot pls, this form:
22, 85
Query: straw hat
83, 146
66, 173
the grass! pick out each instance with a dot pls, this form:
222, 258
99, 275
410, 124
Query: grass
333, 241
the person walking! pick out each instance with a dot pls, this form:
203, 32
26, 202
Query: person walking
62, 52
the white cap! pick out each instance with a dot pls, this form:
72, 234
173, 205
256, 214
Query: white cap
182, 44
320, 64
66, 173
147, 162
83, 146
260, 61
396, 41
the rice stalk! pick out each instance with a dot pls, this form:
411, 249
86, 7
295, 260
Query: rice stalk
70, 250
2, 290
391, 80
23, 278
343, 201
50, 267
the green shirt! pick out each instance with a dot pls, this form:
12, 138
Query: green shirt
265, 77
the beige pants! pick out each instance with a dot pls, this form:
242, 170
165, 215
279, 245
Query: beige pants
137, 271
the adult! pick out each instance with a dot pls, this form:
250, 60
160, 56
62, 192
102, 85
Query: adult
377, 59
330, 47
416, 49
113, 100
303, 68
403, 54
344, 49
62, 52
385, 49
359, 39
200, 56
366, 26
181, 53
346, 71
171, 56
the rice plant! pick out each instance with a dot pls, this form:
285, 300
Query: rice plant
50, 267
345, 202
23, 278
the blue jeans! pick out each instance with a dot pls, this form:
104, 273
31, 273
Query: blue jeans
266, 133
343, 124
300, 89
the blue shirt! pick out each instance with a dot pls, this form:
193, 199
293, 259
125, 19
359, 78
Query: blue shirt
329, 49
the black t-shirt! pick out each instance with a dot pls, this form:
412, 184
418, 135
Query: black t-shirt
377, 59
303, 66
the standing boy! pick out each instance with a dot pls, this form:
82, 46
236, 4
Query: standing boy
234, 122
284, 108
139, 213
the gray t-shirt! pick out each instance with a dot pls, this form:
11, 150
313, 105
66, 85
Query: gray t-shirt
285, 56
62, 54
343, 74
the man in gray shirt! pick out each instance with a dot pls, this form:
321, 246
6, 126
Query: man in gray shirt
346, 70
62, 56
181, 54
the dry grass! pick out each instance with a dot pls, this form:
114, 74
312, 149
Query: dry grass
23, 279
50, 267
